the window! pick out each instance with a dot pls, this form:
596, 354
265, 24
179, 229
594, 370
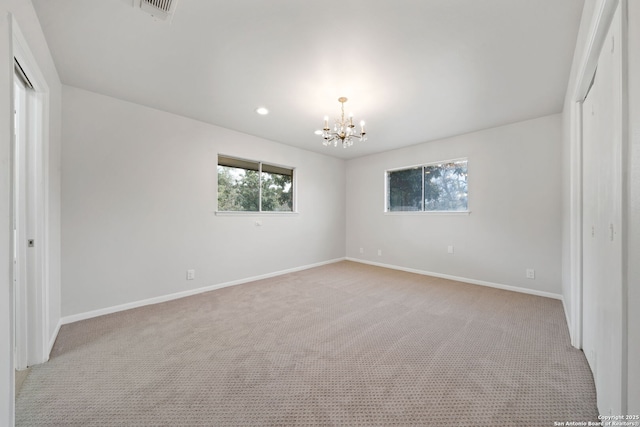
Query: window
434, 187
251, 186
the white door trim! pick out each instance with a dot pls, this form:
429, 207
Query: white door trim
597, 32
36, 305
19, 222
604, 11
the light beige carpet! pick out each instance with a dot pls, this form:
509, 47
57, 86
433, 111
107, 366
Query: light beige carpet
342, 344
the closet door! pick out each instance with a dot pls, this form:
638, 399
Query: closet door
602, 242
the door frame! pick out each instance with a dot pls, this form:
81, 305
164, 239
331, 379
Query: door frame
34, 309
597, 32
603, 14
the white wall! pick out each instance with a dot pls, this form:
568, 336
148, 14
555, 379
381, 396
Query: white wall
514, 197
6, 295
633, 212
25, 16
139, 195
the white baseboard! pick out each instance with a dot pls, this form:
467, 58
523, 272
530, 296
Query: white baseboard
572, 333
53, 338
566, 315
163, 298
461, 279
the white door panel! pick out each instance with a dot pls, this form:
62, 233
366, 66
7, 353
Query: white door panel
602, 207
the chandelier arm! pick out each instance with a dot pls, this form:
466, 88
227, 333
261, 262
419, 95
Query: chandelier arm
344, 130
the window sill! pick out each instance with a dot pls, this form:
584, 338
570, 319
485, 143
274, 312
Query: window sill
243, 213
455, 213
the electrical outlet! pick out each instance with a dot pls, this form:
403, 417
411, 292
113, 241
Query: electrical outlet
361, 250
450, 249
379, 252
530, 273
191, 274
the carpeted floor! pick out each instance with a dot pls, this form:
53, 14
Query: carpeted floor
342, 344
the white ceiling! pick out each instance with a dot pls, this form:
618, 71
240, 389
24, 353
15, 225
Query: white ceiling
415, 70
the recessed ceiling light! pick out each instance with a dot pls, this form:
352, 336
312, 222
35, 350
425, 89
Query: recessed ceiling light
262, 111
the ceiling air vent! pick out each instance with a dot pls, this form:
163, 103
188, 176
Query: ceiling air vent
160, 9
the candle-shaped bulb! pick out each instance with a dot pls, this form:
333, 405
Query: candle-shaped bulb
351, 119
362, 126
326, 122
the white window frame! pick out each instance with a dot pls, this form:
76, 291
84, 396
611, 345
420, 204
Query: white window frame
260, 212
422, 211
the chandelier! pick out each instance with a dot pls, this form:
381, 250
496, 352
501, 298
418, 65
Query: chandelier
343, 130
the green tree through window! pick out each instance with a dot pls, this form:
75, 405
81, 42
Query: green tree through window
433, 187
249, 186
405, 190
